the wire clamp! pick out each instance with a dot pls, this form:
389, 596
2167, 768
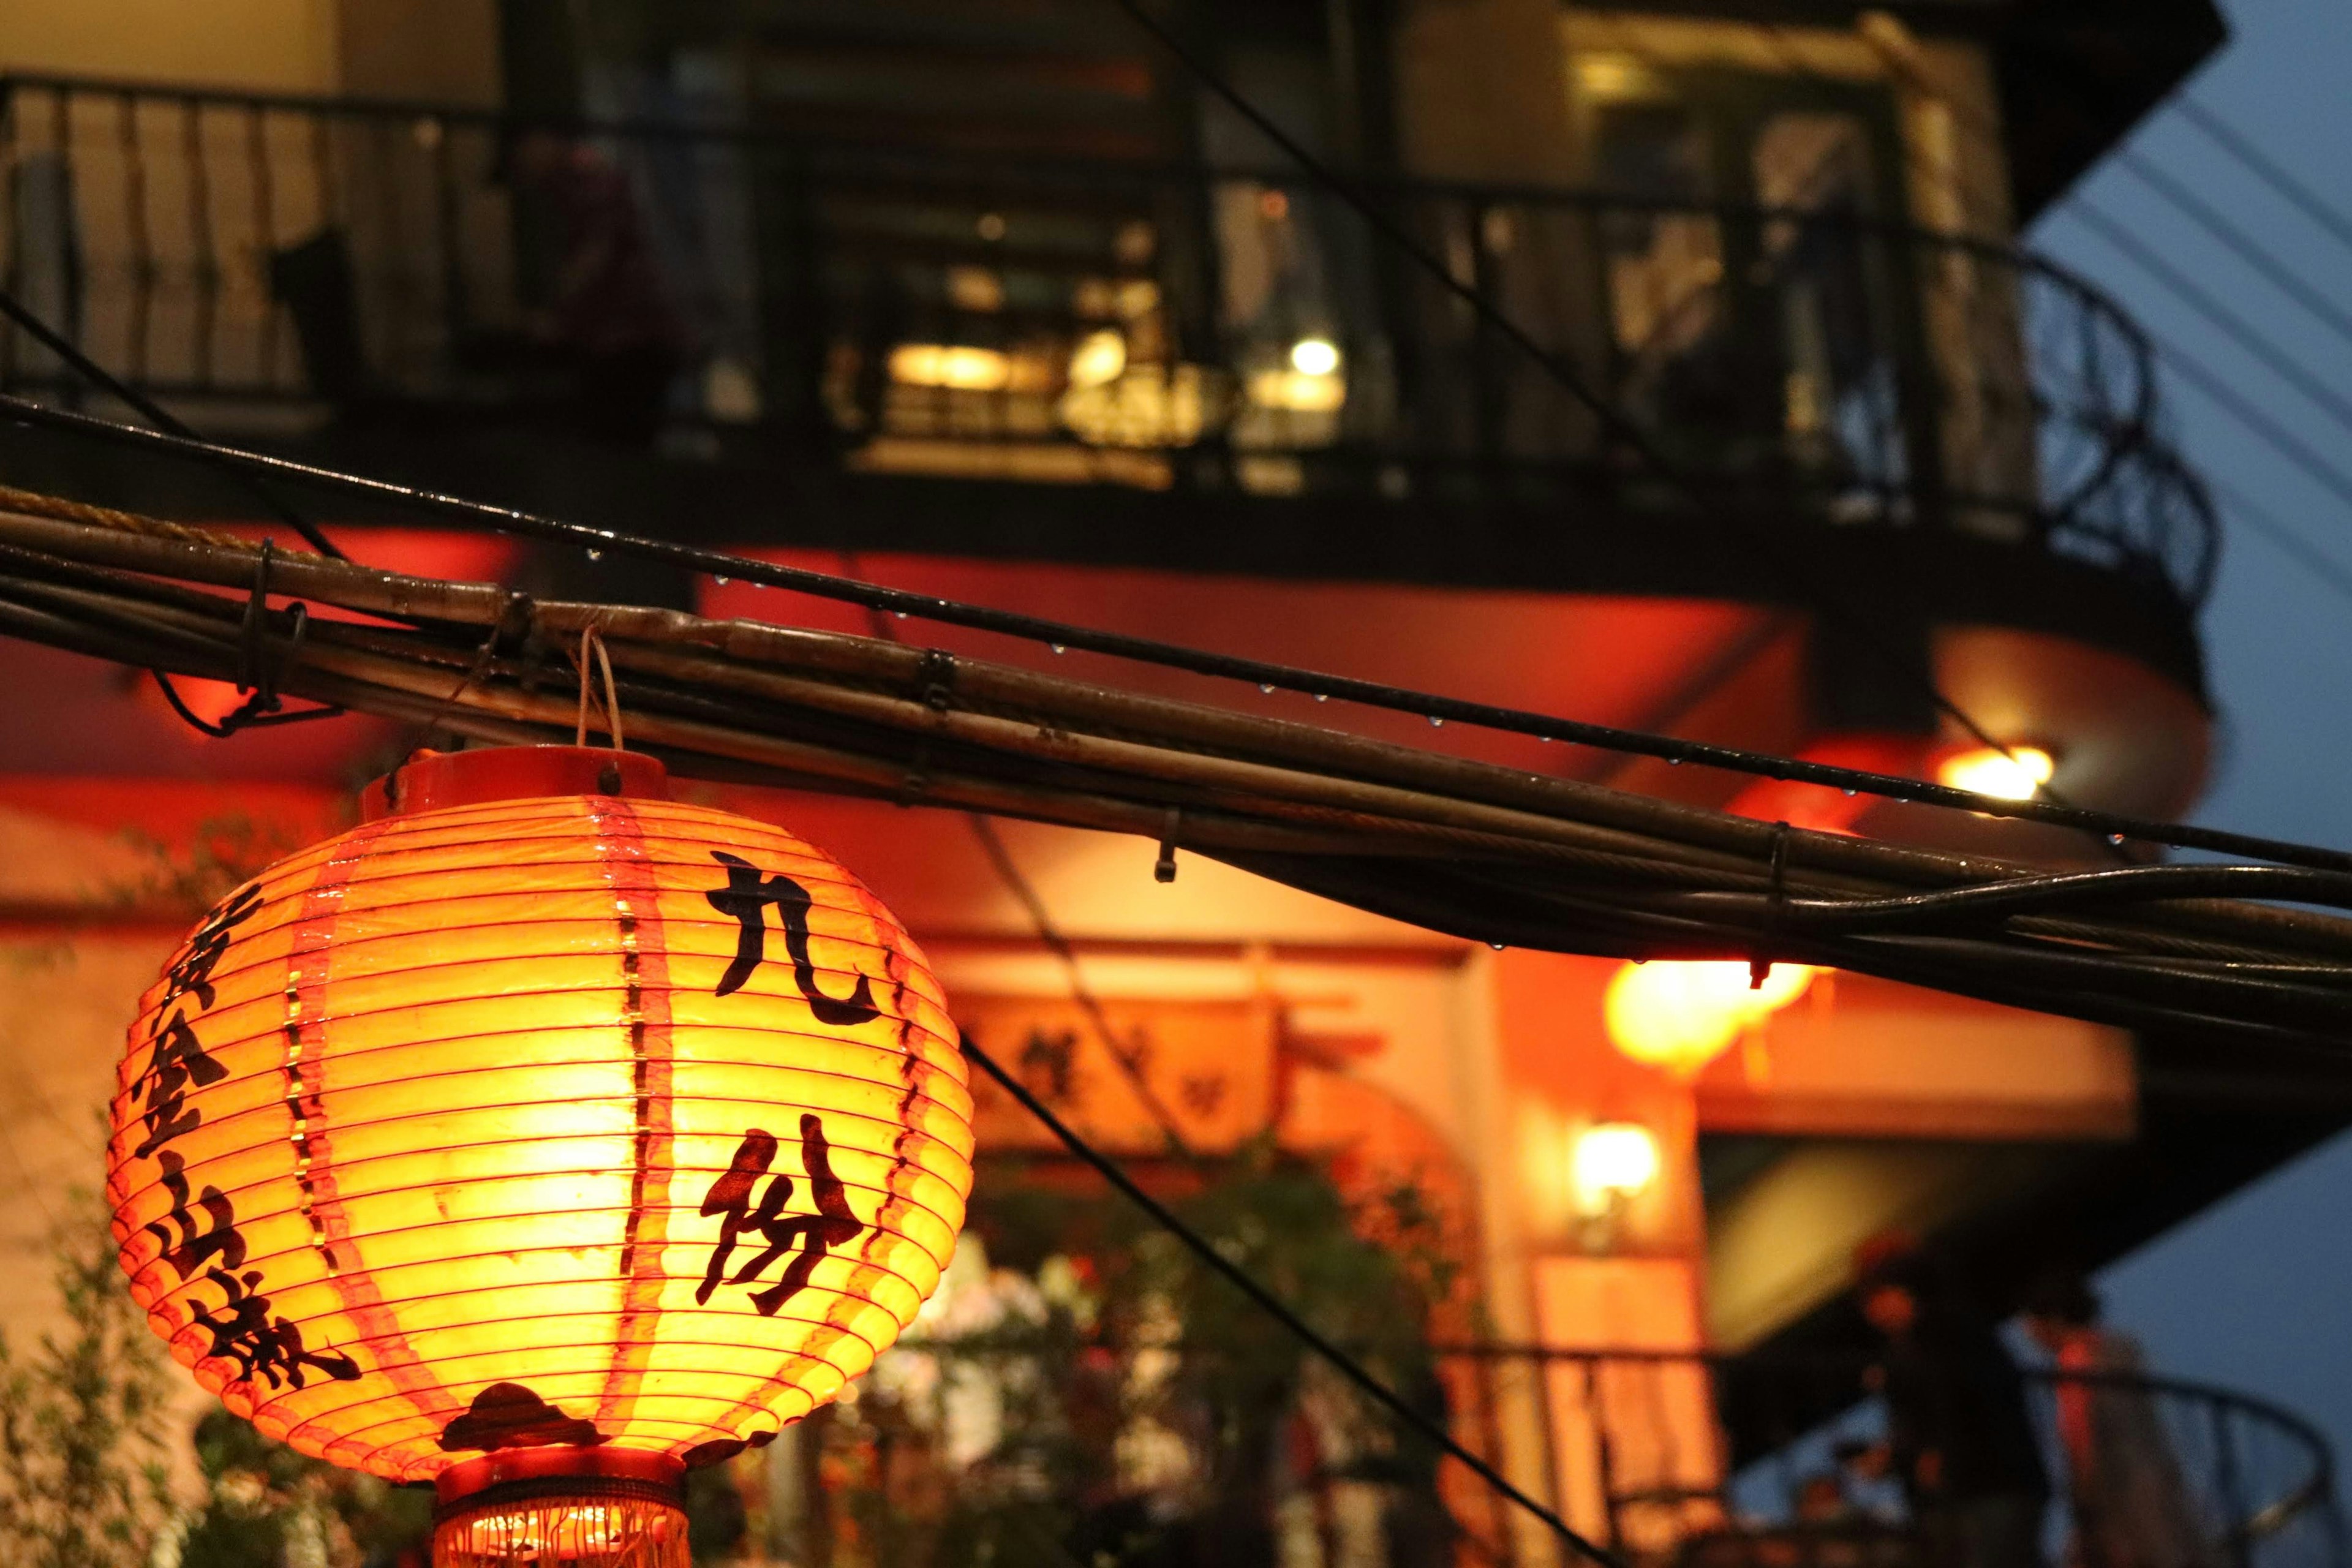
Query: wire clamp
258, 673
935, 677
1164, 869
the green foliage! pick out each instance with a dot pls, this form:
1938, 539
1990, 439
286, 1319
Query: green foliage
1143, 1410
266, 1505
224, 853
83, 1482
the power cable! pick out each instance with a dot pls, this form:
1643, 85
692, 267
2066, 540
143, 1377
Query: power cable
2267, 526
154, 413
2233, 326
2263, 165
1347, 1365
2218, 387
1268, 676
1041, 919
258, 710
2239, 242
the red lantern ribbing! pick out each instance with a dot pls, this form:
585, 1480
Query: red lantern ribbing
543, 1137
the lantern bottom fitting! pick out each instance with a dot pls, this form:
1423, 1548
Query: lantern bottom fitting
561, 1509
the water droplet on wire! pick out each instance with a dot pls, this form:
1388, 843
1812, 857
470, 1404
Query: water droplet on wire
1849, 795
1265, 689
1435, 722
721, 582
1057, 648
2114, 838
1674, 761
1322, 697
595, 555
1496, 945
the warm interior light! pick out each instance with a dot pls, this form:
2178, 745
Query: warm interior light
2016, 774
1612, 1161
1604, 76
1681, 1015
1099, 359
1295, 392
950, 366
1315, 356
1143, 406
539, 1119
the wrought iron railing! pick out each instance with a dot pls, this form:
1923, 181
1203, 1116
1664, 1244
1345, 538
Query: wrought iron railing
1155, 326
1090, 1453
2244, 1483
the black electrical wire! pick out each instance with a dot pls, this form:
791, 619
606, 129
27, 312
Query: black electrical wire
2198, 373
2074, 889
2240, 244
251, 715
1060, 634
2245, 975
1041, 919
97, 376
2267, 526
2263, 165
2231, 324
1276, 1308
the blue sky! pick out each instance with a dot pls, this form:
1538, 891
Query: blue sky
2257, 1292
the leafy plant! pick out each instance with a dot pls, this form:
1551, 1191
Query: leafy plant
223, 853
82, 1480
1096, 1398
266, 1505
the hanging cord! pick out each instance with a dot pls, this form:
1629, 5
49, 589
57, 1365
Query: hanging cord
590, 637
1273, 1306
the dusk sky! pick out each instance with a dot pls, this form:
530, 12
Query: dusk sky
2256, 1293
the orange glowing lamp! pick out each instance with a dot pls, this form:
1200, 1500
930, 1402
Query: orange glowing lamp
1682, 1014
541, 1137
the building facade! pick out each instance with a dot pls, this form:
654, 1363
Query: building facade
993, 301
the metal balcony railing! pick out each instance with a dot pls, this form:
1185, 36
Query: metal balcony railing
1140, 1454
724, 290
2253, 1484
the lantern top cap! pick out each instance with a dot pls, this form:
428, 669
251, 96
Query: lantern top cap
436, 781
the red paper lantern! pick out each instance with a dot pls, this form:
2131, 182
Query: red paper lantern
543, 1137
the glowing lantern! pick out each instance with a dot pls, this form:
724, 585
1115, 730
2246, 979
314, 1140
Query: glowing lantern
542, 1137
1681, 1015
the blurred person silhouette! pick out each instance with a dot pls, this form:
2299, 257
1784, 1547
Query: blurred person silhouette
604, 318
1959, 1438
2132, 1508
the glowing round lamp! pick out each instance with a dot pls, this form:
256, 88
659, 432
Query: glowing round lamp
2016, 773
541, 1137
1682, 1014
1613, 1161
